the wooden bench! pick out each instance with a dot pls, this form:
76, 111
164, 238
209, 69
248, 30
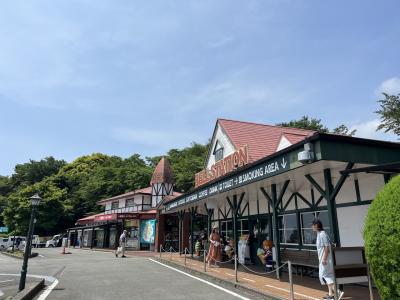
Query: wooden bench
301, 258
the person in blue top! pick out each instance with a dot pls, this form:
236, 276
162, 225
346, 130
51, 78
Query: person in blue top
326, 271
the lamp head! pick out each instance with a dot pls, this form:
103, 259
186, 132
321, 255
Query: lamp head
35, 200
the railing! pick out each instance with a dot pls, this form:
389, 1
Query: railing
236, 260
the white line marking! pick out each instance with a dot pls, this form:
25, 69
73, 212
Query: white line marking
6, 280
202, 280
285, 290
230, 274
48, 290
1, 293
251, 280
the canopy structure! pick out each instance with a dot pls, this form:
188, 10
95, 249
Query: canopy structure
286, 192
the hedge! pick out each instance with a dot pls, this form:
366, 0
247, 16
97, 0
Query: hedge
382, 240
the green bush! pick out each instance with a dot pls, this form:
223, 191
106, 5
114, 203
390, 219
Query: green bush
382, 240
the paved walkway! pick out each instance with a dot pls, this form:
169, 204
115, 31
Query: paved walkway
304, 287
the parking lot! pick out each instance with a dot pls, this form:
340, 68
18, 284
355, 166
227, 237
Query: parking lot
86, 274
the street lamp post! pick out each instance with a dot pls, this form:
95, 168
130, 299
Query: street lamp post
35, 200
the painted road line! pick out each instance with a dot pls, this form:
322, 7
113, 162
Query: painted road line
6, 280
1, 293
251, 280
230, 274
202, 280
48, 290
285, 290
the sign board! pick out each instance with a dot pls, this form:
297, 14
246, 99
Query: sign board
264, 170
224, 166
147, 231
3, 229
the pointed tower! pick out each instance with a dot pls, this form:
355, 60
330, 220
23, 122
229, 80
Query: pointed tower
162, 182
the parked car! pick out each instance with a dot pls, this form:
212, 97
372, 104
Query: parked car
56, 240
37, 242
3, 243
18, 241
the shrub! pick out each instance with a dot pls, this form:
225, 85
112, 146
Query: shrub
382, 240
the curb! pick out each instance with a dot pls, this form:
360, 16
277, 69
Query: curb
254, 292
10, 255
29, 293
34, 254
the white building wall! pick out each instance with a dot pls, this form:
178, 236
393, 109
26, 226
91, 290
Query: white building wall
348, 192
351, 224
224, 141
370, 184
283, 143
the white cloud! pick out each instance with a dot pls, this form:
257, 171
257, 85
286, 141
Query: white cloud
390, 86
367, 129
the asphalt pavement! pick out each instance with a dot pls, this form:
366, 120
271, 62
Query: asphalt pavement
86, 274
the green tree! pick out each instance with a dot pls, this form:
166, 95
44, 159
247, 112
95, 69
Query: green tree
382, 240
316, 124
35, 171
389, 113
344, 130
306, 123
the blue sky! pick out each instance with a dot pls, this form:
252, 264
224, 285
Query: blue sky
124, 77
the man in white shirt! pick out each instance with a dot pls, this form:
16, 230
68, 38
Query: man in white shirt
122, 245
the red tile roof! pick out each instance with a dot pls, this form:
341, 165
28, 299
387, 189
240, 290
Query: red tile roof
171, 197
262, 140
146, 191
87, 220
163, 173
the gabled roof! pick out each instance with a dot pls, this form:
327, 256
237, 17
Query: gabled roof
168, 198
163, 173
144, 191
262, 140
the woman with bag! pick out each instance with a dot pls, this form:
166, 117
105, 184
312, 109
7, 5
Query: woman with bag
214, 252
122, 245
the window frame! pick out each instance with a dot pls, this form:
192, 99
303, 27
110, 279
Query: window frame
326, 228
283, 230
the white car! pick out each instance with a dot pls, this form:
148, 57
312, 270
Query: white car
8, 242
3, 243
55, 241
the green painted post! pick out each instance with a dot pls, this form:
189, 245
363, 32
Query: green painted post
274, 197
331, 203
192, 219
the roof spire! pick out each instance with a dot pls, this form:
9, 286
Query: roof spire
163, 173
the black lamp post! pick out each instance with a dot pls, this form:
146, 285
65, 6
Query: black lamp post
35, 201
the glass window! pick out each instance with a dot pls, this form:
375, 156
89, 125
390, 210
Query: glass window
308, 235
288, 231
219, 154
115, 205
130, 203
227, 229
243, 227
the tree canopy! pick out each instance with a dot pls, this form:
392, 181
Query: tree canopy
315, 124
389, 113
71, 190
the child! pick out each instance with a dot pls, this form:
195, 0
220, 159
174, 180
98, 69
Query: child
268, 257
197, 247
